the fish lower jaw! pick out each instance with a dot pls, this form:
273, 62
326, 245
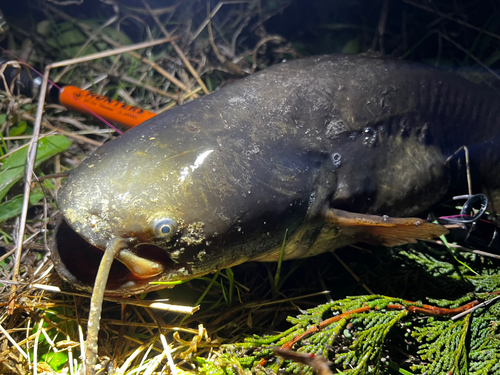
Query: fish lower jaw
142, 268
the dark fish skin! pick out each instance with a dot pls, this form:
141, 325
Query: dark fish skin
274, 152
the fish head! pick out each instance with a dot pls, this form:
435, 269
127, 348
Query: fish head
186, 206
154, 206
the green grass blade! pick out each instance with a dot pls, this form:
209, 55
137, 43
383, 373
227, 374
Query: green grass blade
13, 169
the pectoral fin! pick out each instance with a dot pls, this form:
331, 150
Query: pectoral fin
383, 230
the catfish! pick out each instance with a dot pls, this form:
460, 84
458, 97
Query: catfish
331, 150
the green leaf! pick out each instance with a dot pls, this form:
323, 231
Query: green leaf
13, 169
56, 360
70, 39
18, 129
14, 207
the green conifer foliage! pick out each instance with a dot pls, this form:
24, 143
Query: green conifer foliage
385, 335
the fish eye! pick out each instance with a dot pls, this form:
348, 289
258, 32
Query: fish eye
164, 228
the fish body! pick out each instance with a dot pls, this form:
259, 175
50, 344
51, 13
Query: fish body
219, 181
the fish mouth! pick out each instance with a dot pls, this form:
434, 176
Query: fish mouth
77, 262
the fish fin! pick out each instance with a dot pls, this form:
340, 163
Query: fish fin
383, 230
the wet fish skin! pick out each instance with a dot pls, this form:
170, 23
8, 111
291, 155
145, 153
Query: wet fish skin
273, 152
